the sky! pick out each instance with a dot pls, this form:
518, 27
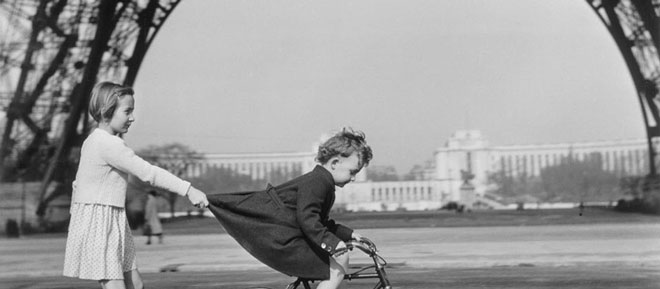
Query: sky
274, 76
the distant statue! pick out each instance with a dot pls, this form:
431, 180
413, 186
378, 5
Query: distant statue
466, 176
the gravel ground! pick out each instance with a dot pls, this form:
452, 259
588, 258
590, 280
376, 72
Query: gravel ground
549, 256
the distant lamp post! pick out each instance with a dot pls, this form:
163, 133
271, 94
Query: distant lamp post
22, 224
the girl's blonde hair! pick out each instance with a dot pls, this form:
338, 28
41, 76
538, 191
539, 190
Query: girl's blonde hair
105, 96
344, 143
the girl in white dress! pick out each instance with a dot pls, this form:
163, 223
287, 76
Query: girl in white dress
100, 243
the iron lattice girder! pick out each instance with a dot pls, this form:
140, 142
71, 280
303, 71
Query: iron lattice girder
635, 27
51, 54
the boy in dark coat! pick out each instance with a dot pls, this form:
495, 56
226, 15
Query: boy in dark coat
288, 227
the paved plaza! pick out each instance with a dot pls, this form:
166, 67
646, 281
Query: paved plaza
585, 256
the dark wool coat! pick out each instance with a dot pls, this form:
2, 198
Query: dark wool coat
286, 227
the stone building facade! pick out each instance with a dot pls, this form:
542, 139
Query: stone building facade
441, 180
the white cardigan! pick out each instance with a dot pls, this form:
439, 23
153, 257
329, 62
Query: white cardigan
106, 162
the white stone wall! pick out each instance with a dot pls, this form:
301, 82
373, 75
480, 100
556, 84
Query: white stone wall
391, 196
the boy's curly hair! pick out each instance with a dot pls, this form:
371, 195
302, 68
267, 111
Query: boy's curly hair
344, 143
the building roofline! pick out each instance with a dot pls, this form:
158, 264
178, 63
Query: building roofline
565, 145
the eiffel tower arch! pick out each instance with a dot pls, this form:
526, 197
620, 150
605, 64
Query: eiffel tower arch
635, 27
52, 52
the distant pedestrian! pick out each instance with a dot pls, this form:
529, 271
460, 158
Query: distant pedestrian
288, 227
152, 225
99, 244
